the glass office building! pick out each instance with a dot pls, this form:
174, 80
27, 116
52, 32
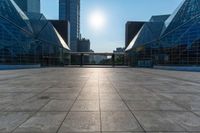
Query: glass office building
29, 38
69, 10
169, 40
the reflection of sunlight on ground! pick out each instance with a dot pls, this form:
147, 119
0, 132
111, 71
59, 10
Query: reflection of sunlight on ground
98, 99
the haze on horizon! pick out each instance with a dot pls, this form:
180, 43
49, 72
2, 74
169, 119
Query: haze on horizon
106, 28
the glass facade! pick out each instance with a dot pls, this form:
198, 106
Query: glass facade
69, 10
174, 41
29, 5
29, 38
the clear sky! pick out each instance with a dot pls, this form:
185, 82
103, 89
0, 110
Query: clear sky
115, 13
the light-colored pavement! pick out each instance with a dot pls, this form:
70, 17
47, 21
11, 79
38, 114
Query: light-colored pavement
99, 100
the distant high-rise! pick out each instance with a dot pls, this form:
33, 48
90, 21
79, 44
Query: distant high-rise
84, 45
70, 10
29, 5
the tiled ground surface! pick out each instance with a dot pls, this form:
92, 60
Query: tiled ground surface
99, 100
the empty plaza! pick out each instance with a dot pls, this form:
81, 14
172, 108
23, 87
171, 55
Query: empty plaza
99, 100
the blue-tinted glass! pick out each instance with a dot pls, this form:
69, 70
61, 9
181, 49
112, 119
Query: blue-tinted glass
38, 22
11, 11
14, 38
180, 35
188, 10
150, 31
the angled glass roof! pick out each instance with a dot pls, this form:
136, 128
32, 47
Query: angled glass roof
13, 36
21, 13
28, 27
171, 17
62, 42
159, 18
38, 22
35, 16
187, 10
151, 31
50, 35
44, 30
6, 32
184, 34
145, 36
130, 46
10, 11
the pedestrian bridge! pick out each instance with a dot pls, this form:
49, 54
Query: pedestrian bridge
91, 58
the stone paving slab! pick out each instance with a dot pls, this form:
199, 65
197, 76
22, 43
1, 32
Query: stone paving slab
81, 122
85, 105
115, 105
11, 120
42, 122
119, 121
154, 106
99, 100
168, 121
58, 106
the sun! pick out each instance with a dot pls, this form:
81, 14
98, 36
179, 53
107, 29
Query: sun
97, 20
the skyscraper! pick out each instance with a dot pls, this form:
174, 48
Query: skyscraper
29, 5
70, 10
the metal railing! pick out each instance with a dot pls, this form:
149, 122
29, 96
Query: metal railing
90, 58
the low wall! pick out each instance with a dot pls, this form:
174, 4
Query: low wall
8, 67
179, 68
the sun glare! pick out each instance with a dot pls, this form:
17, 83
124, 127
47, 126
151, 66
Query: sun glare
97, 20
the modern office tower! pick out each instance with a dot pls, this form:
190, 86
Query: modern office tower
69, 10
29, 5
84, 46
171, 41
132, 28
